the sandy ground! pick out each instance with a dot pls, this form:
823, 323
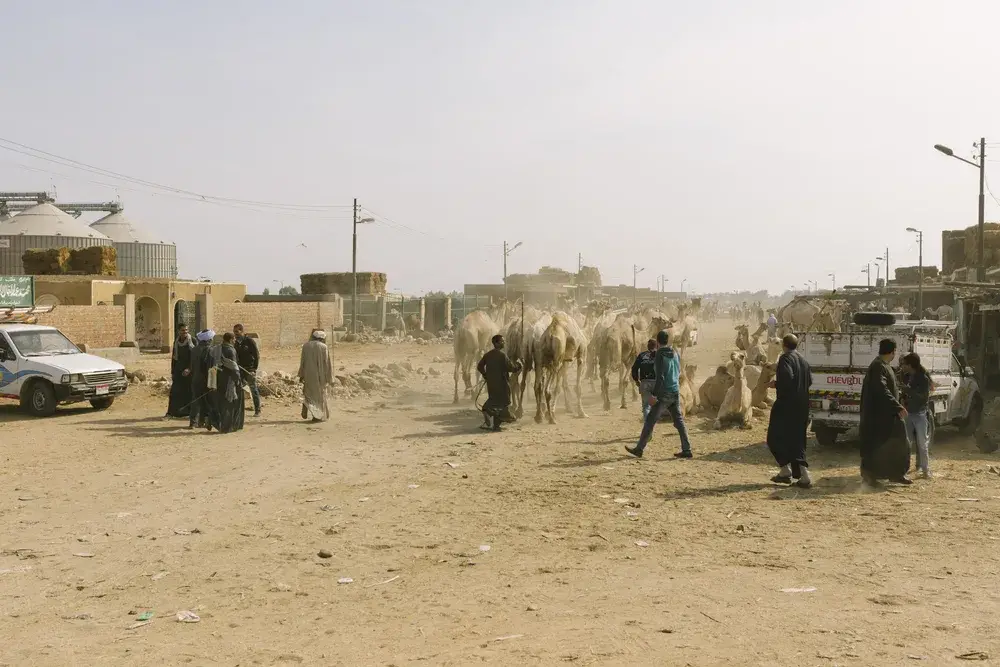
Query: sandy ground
106, 516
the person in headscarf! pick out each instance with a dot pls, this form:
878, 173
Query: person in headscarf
316, 374
228, 396
496, 367
885, 454
180, 375
204, 360
786, 430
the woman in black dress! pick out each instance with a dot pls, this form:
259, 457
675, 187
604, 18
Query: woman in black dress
180, 375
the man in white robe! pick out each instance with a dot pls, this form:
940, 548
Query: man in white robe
316, 374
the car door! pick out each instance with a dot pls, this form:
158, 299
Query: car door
958, 392
10, 383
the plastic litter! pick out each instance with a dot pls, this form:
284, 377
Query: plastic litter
186, 616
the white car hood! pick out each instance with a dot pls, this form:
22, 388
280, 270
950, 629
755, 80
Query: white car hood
76, 363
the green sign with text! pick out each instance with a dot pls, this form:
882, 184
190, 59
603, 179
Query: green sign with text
17, 291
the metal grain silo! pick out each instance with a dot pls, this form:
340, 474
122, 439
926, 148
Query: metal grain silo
139, 253
41, 227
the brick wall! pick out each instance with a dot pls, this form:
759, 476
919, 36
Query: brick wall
93, 326
278, 324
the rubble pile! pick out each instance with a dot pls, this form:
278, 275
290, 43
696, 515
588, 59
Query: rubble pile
372, 380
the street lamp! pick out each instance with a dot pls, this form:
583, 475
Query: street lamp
878, 271
354, 267
868, 272
833, 276
682, 284
981, 166
506, 252
920, 268
636, 270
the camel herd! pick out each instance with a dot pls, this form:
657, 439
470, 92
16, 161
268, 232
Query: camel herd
602, 342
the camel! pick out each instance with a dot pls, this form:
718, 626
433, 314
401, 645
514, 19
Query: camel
713, 390
472, 340
682, 333
742, 337
561, 343
805, 315
519, 338
941, 313
736, 406
758, 396
687, 393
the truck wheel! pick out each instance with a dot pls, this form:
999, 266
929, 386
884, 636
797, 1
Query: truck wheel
825, 436
39, 399
970, 424
103, 403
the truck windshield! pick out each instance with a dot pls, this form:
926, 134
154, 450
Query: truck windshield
41, 343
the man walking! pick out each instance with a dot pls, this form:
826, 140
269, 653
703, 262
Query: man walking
885, 454
786, 431
316, 376
496, 367
772, 325
248, 357
666, 397
644, 375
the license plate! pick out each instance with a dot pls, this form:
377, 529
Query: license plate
101, 390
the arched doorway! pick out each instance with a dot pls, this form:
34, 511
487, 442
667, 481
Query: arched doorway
148, 329
47, 300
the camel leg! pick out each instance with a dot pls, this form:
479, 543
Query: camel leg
458, 364
513, 383
520, 399
538, 393
606, 390
622, 375
565, 389
467, 375
579, 385
551, 393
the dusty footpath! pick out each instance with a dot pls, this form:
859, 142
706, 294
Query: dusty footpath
542, 545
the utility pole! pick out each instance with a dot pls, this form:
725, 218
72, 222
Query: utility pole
354, 272
505, 270
635, 272
834, 277
920, 268
887, 268
579, 262
982, 211
868, 272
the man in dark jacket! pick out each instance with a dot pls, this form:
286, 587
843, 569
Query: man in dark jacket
885, 453
644, 374
496, 367
666, 397
786, 431
248, 357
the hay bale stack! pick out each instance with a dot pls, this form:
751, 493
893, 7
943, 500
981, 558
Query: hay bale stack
992, 243
952, 250
369, 283
910, 275
94, 261
46, 262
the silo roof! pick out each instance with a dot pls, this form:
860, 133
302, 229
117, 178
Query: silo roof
120, 229
47, 220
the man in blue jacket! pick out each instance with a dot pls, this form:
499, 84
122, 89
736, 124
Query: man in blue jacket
666, 397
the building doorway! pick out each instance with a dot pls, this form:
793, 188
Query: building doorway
148, 328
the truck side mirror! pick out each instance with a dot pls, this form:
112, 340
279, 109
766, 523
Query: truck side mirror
968, 372
6, 355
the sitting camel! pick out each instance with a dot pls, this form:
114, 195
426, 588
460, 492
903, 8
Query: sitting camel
713, 390
736, 406
758, 397
688, 396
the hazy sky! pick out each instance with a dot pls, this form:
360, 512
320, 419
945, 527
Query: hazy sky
735, 144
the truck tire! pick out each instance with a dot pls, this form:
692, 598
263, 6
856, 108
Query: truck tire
103, 403
39, 399
825, 435
970, 424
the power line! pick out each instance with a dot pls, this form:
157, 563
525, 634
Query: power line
392, 223
39, 154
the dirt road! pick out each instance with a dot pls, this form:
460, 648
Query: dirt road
542, 545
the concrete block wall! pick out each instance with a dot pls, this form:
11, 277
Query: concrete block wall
93, 326
278, 324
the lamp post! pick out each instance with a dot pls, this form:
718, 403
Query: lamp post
354, 267
636, 270
506, 252
878, 271
833, 276
682, 284
981, 166
920, 269
868, 272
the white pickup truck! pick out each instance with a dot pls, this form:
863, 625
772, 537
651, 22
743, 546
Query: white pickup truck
839, 362
41, 368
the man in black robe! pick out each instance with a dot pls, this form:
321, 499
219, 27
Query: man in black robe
496, 367
885, 453
180, 375
204, 358
248, 357
228, 394
786, 431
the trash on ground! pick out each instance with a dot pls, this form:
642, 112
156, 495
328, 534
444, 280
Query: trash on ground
641, 543
809, 589
186, 616
144, 616
159, 575
345, 580
83, 554
484, 547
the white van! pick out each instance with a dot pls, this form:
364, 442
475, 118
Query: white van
41, 368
